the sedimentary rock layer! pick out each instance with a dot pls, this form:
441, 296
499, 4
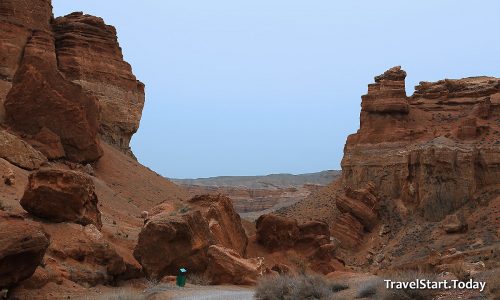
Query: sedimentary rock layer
89, 54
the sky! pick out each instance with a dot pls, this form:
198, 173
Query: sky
254, 87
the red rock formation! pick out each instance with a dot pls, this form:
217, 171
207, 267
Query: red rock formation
223, 221
41, 97
22, 247
435, 150
62, 196
17, 19
276, 232
169, 242
19, 153
226, 266
89, 54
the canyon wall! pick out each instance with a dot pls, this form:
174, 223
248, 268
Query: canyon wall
75, 62
435, 150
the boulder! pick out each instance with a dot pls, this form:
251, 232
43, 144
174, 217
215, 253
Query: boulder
455, 224
19, 153
22, 247
89, 259
226, 266
168, 242
275, 232
41, 97
62, 196
223, 221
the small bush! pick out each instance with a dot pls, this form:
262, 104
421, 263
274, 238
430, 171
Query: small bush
368, 289
197, 279
460, 271
296, 287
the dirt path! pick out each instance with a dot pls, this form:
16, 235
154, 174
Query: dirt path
207, 293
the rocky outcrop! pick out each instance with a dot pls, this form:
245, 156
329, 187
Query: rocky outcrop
226, 266
86, 256
223, 221
17, 19
22, 247
62, 196
169, 242
19, 153
89, 54
435, 150
42, 98
276, 232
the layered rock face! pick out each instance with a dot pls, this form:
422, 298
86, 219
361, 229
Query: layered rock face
22, 247
69, 76
62, 196
17, 19
435, 150
89, 54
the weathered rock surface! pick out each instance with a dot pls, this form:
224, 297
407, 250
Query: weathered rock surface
169, 242
435, 150
17, 19
48, 143
85, 256
42, 98
89, 54
19, 153
226, 266
62, 196
223, 221
276, 232
22, 247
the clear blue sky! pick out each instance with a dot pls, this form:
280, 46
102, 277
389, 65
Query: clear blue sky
253, 87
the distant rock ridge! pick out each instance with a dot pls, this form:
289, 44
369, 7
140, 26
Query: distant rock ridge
69, 76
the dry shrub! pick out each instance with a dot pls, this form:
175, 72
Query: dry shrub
460, 271
285, 287
197, 279
369, 288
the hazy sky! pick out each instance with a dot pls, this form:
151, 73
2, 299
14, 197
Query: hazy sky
253, 87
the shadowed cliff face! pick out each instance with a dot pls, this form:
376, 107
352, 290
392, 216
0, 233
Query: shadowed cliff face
76, 57
435, 150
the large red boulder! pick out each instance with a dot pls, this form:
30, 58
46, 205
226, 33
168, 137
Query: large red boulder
22, 247
168, 242
223, 221
62, 196
225, 266
275, 232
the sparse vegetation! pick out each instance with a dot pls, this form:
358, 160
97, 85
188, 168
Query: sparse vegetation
300, 263
197, 279
369, 289
296, 287
460, 271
